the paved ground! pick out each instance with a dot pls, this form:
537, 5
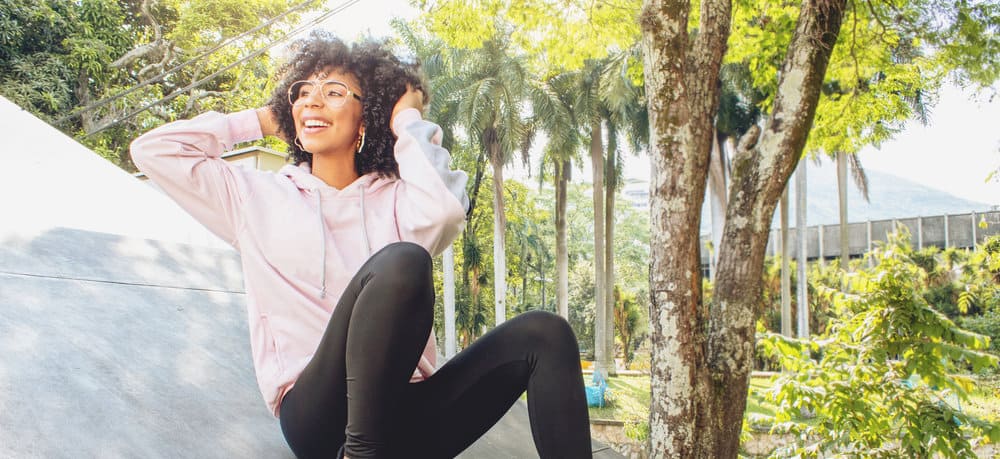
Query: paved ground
123, 333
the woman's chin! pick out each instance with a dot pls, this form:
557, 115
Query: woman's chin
325, 150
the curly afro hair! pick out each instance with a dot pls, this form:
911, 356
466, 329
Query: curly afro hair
383, 78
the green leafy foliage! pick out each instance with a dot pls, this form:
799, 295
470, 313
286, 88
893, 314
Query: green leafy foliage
59, 58
880, 381
557, 34
890, 60
45, 47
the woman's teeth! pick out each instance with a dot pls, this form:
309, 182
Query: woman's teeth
316, 123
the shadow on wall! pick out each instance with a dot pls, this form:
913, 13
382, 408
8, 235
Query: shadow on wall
120, 347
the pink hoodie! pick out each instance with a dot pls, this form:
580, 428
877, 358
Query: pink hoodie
301, 241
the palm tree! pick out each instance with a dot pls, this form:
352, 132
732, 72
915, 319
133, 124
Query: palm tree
624, 111
920, 108
861, 181
587, 106
601, 95
437, 61
486, 93
552, 104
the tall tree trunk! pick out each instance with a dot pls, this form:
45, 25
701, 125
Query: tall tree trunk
541, 283
760, 174
717, 196
611, 185
786, 274
525, 270
470, 261
801, 254
701, 360
499, 237
448, 271
562, 254
845, 249
681, 75
602, 355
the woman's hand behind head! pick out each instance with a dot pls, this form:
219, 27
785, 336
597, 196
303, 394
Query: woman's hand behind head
412, 98
269, 123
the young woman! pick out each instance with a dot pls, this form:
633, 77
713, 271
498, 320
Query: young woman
336, 252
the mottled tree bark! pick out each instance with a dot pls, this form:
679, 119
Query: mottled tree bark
761, 170
682, 93
702, 355
562, 254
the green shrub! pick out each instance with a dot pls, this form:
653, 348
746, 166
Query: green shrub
878, 380
987, 324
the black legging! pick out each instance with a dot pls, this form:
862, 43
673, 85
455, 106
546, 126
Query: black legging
355, 392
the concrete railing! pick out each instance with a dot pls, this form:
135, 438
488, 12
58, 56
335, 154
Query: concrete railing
952, 230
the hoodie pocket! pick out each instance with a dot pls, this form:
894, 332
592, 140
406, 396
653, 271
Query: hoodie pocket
271, 343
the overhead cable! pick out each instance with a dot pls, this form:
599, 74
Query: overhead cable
163, 75
252, 55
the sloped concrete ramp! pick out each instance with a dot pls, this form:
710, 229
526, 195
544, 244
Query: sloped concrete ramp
123, 323
123, 348
118, 348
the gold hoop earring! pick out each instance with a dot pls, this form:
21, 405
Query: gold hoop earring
361, 142
299, 144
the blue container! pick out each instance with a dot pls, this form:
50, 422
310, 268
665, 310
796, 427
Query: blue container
595, 393
595, 396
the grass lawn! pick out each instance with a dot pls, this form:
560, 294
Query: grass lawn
628, 399
984, 400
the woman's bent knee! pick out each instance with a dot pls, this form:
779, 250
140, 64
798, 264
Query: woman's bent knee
402, 271
405, 258
550, 329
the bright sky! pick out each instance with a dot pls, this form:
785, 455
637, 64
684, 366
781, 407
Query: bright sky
954, 153
367, 16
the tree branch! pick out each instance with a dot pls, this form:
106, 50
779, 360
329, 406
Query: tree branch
156, 45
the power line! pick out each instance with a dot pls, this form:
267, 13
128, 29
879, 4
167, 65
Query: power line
252, 55
163, 75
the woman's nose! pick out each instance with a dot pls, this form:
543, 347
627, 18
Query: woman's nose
313, 99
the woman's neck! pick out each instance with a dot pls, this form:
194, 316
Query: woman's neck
335, 170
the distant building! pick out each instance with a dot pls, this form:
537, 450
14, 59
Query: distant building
637, 193
253, 157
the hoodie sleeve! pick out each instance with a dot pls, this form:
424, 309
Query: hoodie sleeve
183, 159
431, 202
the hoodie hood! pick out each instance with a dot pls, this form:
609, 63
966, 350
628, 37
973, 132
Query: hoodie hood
301, 175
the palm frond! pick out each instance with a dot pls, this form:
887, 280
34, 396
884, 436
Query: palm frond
859, 175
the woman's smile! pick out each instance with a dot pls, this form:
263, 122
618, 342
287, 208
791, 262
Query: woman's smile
314, 124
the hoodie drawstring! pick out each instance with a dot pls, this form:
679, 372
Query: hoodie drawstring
322, 235
364, 228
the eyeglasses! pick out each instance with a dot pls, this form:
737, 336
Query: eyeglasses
333, 92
